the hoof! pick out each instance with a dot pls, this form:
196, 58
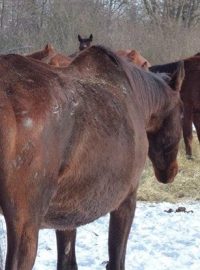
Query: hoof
74, 267
107, 266
70, 267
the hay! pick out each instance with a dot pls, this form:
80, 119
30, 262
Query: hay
186, 185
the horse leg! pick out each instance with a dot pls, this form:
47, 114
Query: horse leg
119, 228
23, 207
187, 131
66, 241
196, 121
22, 239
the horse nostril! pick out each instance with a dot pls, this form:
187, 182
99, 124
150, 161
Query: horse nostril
167, 176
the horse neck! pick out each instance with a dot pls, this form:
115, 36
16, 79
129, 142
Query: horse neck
38, 55
44, 56
152, 95
47, 59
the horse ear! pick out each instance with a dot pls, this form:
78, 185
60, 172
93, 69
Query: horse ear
48, 47
178, 77
79, 38
91, 37
131, 54
145, 66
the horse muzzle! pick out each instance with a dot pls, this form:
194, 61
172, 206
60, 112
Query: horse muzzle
167, 176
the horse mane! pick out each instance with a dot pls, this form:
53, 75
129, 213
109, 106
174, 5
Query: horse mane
94, 52
122, 65
156, 84
165, 76
112, 56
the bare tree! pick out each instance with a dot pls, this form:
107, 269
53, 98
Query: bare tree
182, 12
2, 12
157, 28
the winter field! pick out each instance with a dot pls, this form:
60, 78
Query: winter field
158, 240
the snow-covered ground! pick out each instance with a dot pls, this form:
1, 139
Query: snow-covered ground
158, 241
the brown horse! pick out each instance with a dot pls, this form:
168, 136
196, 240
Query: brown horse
74, 143
50, 56
190, 95
134, 57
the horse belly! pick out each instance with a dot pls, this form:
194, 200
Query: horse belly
82, 204
80, 200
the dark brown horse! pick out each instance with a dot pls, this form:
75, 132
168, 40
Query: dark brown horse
190, 95
50, 56
84, 43
74, 143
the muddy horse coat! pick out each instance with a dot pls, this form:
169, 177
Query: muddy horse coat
74, 143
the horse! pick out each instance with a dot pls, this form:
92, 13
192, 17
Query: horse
190, 96
84, 43
74, 142
50, 56
134, 57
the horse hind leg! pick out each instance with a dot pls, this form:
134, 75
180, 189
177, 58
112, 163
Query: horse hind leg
22, 239
187, 132
23, 208
119, 228
66, 241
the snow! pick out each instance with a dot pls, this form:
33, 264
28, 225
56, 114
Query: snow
158, 240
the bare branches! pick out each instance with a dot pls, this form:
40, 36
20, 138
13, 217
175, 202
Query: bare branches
182, 12
152, 26
2, 12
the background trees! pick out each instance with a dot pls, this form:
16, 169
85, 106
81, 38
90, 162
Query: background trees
163, 30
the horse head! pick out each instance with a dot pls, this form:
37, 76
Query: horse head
84, 42
164, 140
135, 57
44, 53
